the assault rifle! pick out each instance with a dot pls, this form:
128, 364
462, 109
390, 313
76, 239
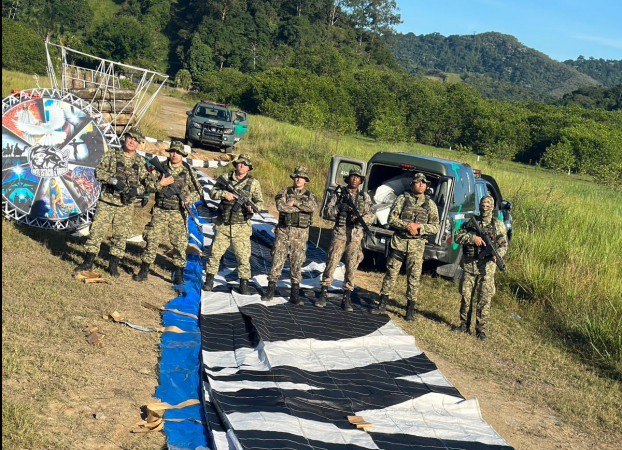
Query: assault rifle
174, 190
242, 196
344, 197
490, 251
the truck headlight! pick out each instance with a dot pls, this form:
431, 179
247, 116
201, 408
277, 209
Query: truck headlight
228, 130
196, 125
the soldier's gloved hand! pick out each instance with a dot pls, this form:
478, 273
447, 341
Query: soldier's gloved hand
134, 191
117, 184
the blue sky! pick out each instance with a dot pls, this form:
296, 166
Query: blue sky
561, 29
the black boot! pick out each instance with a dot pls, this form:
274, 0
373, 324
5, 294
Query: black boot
113, 266
271, 290
462, 328
410, 311
295, 295
346, 303
481, 335
142, 274
321, 302
89, 260
244, 286
178, 278
208, 285
382, 307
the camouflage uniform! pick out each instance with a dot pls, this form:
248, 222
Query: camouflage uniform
405, 248
234, 228
479, 273
169, 214
347, 236
116, 207
292, 232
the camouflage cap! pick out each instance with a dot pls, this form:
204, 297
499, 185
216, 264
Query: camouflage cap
244, 158
177, 146
420, 177
300, 172
136, 133
354, 171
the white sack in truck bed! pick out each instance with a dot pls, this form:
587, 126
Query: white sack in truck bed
386, 194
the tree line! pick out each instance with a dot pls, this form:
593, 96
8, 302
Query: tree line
320, 64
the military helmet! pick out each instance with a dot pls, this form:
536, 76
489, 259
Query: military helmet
300, 172
136, 133
244, 158
419, 177
177, 146
355, 171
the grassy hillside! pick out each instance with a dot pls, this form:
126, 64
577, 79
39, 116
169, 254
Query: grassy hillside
556, 320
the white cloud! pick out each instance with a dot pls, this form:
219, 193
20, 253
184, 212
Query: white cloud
615, 43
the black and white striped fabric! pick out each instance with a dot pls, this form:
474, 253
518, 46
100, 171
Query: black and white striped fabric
280, 376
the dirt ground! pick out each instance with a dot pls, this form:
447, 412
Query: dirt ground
90, 397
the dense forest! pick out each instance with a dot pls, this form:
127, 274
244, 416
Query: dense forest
328, 64
594, 98
498, 56
608, 72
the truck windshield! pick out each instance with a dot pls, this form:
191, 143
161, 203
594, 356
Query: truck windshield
212, 113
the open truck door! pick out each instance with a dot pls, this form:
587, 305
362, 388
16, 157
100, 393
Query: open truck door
339, 168
240, 125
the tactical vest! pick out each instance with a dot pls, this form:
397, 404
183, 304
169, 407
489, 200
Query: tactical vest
344, 218
128, 175
233, 212
472, 250
298, 219
164, 198
412, 213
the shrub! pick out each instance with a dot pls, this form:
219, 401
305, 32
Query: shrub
22, 49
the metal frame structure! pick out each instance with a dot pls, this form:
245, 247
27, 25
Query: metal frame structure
106, 80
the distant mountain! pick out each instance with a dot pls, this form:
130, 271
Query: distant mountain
606, 71
500, 57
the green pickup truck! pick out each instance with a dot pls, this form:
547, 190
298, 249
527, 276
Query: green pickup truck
214, 125
455, 188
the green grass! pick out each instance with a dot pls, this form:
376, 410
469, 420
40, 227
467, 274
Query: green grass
20, 427
12, 80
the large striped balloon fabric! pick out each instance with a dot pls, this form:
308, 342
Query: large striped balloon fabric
280, 376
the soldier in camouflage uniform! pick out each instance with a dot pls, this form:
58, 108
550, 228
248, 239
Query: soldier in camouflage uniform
479, 273
168, 213
413, 217
233, 224
123, 174
296, 206
347, 237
